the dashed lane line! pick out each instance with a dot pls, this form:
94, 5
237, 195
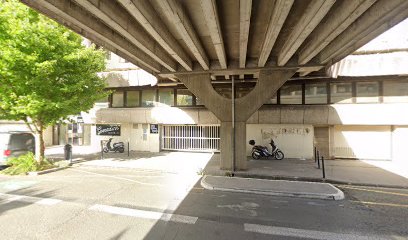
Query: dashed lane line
304, 233
144, 214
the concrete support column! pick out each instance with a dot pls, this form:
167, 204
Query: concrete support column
227, 148
269, 82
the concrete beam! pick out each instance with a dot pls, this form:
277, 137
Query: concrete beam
209, 8
280, 12
311, 17
177, 16
144, 13
332, 27
70, 12
234, 69
89, 36
380, 17
200, 85
108, 12
269, 82
245, 7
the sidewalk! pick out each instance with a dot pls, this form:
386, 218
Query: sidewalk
354, 172
284, 188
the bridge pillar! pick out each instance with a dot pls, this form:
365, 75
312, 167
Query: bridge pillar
233, 151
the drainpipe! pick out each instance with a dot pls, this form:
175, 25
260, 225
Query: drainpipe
233, 121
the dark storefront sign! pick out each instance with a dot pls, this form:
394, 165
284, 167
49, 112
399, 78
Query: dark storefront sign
107, 130
154, 128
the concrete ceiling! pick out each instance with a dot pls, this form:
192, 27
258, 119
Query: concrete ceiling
227, 37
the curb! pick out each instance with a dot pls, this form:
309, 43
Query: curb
336, 196
320, 180
46, 171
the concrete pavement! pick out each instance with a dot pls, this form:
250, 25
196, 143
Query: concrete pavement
305, 172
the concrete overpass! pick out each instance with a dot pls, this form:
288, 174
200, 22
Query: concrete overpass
194, 42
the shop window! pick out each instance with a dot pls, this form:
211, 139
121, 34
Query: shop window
291, 94
132, 98
341, 93
166, 96
117, 99
184, 97
148, 98
395, 92
367, 92
316, 93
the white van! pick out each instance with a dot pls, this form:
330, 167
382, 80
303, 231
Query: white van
14, 144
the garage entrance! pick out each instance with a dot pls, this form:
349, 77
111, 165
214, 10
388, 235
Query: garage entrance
201, 138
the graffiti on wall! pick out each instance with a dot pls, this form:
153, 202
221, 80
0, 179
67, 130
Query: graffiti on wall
275, 132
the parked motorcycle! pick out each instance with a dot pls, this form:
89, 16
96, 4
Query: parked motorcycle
262, 151
116, 147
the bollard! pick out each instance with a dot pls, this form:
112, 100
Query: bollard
323, 170
128, 149
315, 154
101, 149
318, 162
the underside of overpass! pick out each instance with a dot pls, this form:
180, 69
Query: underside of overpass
196, 42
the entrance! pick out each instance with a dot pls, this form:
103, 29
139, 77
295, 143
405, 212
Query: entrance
191, 138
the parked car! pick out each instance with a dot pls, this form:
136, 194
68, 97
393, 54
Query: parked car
14, 144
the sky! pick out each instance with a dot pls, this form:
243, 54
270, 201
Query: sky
396, 37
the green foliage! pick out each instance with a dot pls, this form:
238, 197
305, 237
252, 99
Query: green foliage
46, 74
25, 163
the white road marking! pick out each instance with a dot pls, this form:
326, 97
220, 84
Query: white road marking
48, 201
12, 199
304, 233
120, 178
144, 214
29, 199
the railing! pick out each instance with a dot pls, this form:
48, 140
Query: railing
319, 159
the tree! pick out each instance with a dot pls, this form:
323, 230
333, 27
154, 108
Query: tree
46, 74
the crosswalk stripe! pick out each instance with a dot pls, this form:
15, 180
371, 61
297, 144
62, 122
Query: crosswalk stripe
144, 214
304, 233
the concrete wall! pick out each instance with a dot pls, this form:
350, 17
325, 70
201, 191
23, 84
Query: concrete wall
295, 140
137, 135
362, 142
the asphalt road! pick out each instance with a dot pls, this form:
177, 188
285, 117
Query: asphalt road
102, 203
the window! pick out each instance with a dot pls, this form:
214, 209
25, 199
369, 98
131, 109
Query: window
148, 98
395, 91
166, 96
316, 93
273, 100
291, 94
184, 97
132, 98
367, 92
341, 93
117, 99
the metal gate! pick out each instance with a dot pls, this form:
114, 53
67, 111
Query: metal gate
191, 138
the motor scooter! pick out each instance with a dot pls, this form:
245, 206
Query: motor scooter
117, 147
262, 151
